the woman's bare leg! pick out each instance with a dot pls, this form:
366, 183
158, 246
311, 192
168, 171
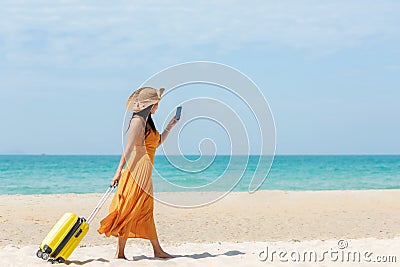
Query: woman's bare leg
120, 253
158, 251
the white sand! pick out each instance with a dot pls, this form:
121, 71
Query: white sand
230, 232
362, 252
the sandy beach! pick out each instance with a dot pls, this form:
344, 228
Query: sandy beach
233, 230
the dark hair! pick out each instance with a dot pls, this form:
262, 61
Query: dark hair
149, 125
149, 122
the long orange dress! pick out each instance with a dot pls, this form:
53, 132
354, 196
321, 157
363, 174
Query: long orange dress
131, 209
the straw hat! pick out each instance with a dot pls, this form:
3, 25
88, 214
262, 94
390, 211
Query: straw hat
143, 97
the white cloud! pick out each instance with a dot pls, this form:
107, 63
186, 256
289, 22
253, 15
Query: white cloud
98, 32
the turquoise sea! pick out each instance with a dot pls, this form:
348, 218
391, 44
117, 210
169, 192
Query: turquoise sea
48, 174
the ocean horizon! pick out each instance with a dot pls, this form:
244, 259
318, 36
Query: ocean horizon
80, 174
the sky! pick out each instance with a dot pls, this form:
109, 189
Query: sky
330, 70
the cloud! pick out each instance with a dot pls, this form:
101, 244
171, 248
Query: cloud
87, 33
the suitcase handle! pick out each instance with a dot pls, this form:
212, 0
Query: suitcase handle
100, 204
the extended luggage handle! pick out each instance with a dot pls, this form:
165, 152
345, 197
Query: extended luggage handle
100, 204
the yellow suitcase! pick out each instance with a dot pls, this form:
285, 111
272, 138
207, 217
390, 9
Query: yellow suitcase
67, 233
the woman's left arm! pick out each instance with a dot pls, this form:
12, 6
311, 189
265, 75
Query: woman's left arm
165, 133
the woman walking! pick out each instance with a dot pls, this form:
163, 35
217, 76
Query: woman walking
131, 210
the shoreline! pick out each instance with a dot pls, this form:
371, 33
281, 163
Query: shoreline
205, 192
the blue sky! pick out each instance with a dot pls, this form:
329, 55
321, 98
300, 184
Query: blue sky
330, 70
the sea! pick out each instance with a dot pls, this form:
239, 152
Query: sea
80, 174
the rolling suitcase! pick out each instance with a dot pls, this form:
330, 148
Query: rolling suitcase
66, 234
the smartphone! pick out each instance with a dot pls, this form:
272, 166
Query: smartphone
178, 113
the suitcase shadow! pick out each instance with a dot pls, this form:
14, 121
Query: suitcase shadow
193, 256
86, 261
144, 257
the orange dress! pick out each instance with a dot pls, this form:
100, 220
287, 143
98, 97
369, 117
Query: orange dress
131, 209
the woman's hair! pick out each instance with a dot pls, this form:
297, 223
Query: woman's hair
145, 113
149, 125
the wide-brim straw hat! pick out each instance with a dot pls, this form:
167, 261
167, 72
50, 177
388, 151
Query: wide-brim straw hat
143, 98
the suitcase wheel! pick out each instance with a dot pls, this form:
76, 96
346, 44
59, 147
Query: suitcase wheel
59, 260
39, 253
45, 256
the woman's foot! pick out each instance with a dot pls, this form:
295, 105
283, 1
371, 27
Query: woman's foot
120, 257
120, 252
162, 254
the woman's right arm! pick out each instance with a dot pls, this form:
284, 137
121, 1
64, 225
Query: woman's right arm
136, 125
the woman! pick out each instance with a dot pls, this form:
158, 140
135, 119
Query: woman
131, 210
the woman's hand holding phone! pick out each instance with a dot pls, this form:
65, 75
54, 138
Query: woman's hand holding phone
171, 123
175, 119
